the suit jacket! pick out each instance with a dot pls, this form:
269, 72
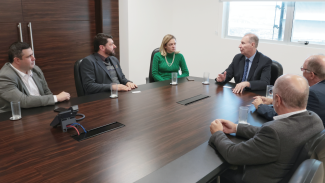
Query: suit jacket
316, 103
259, 74
95, 76
12, 88
272, 149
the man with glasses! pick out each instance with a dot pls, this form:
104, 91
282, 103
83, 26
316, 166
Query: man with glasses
314, 71
271, 150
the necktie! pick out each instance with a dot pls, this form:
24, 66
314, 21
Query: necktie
245, 70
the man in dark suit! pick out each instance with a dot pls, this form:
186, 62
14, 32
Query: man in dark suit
314, 71
21, 80
272, 149
101, 68
250, 69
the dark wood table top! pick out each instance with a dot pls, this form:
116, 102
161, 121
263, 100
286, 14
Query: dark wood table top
157, 131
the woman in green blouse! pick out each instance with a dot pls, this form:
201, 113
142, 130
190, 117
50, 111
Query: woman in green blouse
168, 60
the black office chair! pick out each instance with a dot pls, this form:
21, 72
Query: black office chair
77, 79
314, 148
276, 71
310, 171
150, 79
319, 150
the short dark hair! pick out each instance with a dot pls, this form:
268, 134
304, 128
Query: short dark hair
16, 50
101, 39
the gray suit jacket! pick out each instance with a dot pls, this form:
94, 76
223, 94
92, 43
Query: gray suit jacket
95, 76
12, 88
272, 149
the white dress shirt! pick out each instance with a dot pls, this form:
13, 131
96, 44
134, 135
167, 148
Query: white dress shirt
30, 83
287, 114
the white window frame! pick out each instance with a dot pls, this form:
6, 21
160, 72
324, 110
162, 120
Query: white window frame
287, 29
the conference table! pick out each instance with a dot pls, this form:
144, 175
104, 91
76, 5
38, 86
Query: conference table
162, 140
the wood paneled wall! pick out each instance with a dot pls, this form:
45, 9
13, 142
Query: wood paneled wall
63, 33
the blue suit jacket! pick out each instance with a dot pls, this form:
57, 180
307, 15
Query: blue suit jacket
316, 103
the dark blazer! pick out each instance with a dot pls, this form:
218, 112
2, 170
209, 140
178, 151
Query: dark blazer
267, 111
316, 103
95, 76
272, 149
12, 88
259, 74
316, 99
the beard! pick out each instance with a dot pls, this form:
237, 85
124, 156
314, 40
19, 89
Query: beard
110, 53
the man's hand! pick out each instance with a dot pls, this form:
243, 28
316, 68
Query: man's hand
265, 100
216, 126
123, 88
258, 101
221, 77
240, 87
131, 85
228, 126
63, 96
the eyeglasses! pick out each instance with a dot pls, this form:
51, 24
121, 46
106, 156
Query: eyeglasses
302, 69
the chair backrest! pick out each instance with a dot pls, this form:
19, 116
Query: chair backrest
319, 150
151, 79
77, 79
310, 171
276, 71
313, 145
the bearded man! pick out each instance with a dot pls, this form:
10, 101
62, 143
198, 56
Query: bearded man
101, 68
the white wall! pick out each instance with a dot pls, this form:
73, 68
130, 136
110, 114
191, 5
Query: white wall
148, 22
124, 36
194, 23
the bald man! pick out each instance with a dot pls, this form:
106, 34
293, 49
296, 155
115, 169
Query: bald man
314, 71
271, 150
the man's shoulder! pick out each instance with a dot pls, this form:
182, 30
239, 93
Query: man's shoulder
87, 61
4, 68
7, 71
263, 57
318, 87
238, 56
90, 58
295, 119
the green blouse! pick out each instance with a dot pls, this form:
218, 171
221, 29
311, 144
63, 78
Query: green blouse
161, 71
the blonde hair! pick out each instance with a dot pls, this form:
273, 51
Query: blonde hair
164, 42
